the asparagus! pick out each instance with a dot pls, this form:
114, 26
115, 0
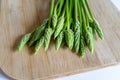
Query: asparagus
59, 40
38, 33
69, 36
48, 35
70, 22
54, 18
76, 29
59, 26
23, 41
82, 46
39, 43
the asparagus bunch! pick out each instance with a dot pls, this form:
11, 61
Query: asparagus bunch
71, 22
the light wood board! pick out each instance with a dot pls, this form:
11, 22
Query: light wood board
18, 17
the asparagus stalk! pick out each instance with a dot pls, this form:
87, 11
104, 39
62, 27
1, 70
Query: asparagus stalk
59, 26
76, 29
39, 43
89, 9
59, 40
82, 40
71, 22
48, 35
38, 33
69, 34
95, 23
23, 41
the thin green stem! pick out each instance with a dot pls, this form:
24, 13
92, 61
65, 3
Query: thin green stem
61, 2
55, 9
84, 19
80, 11
56, 6
85, 8
89, 9
76, 13
51, 12
71, 8
51, 8
86, 13
67, 14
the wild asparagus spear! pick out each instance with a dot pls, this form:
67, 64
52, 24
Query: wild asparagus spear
65, 25
59, 40
69, 36
95, 23
23, 41
76, 29
98, 29
48, 35
82, 46
38, 33
77, 36
59, 26
39, 43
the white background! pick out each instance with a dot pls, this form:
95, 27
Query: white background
110, 73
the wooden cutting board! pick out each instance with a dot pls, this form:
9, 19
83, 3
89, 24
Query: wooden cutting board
18, 17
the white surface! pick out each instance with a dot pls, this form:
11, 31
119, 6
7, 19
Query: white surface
110, 73
116, 3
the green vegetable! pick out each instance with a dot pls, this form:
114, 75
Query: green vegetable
69, 36
77, 36
54, 19
23, 41
38, 33
59, 26
89, 40
71, 23
55, 16
48, 35
98, 29
76, 29
82, 46
59, 40
39, 43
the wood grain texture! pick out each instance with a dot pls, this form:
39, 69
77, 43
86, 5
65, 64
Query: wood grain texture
18, 17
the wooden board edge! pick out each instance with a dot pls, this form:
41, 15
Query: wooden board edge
64, 74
